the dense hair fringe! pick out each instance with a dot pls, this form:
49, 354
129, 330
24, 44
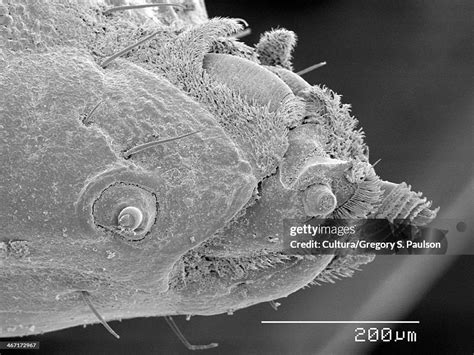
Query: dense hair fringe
260, 133
343, 140
366, 197
342, 266
275, 48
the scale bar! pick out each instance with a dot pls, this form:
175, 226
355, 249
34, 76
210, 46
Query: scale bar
340, 322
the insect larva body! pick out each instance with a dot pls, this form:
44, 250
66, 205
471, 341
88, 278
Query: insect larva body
156, 183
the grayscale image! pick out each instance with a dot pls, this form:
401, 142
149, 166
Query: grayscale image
236, 177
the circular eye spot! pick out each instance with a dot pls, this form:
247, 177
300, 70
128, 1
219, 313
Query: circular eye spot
130, 218
125, 210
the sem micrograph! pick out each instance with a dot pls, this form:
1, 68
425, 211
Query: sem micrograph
150, 157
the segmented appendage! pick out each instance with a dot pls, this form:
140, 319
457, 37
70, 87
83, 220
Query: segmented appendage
402, 203
294, 81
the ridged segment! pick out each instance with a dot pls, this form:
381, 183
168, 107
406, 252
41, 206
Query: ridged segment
402, 203
257, 84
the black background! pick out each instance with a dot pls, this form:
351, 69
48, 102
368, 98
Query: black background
407, 69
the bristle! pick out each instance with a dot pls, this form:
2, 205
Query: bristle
311, 68
127, 49
132, 7
172, 12
245, 23
148, 145
85, 296
342, 266
183, 339
378, 161
396, 205
242, 34
86, 119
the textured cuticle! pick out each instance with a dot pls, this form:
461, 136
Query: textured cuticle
257, 84
294, 81
193, 227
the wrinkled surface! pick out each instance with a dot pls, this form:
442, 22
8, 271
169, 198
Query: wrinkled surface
213, 201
